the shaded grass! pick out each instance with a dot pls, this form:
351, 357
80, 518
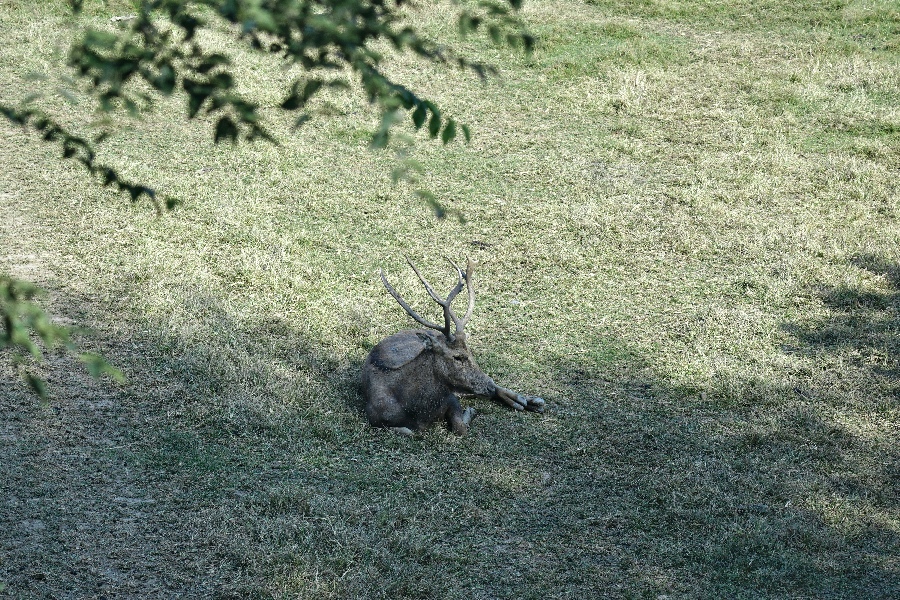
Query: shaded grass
686, 230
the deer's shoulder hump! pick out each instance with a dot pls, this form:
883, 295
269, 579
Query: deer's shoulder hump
402, 348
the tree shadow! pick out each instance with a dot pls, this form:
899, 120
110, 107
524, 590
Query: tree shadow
122, 491
749, 488
242, 466
863, 326
746, 490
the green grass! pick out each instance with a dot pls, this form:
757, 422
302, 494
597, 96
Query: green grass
685, 218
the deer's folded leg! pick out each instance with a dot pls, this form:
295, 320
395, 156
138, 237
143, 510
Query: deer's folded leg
459, 419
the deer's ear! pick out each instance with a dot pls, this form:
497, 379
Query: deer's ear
402, 350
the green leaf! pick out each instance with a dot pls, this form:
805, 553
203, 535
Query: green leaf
398, 173
245, 110
292, 102
134, 191
224, 81
226, 129
528, 41
466, 133
298, 99
189, 23
195, 101
380, 139
97, 366
258, 133
419, 115
434, 124
109, 176
197, 95
496, 34
261, 19
439, 211
312, 86
94, 38
449, 131
38, 385
215, 103
165, 80
211, 62
465, 24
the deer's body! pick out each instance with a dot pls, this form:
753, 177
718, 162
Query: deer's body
414, 377
407, 382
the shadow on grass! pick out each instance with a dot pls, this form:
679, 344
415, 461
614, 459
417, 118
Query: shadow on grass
863, 327
661, 492
238, 465
114, 491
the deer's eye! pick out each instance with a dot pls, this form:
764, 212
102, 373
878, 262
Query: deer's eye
460, 357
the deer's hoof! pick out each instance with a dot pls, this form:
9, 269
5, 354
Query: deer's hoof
402, 430
534, 403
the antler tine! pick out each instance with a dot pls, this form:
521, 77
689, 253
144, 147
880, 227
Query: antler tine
453, 293
449, 317
408, 309
459, 284
428, 287
470, 268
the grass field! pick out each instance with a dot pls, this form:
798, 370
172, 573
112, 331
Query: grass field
685, 219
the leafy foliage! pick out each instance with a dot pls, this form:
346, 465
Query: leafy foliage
23, 321
156, 52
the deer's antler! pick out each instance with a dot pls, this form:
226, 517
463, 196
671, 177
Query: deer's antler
465, 280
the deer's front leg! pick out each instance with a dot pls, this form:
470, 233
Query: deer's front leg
458, 418
518, 401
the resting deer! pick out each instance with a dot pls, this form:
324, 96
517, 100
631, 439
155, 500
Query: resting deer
413, 377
